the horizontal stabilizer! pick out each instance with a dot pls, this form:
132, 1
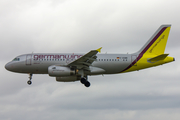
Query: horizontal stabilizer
157, 58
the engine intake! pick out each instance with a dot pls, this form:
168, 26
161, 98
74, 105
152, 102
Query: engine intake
59, 71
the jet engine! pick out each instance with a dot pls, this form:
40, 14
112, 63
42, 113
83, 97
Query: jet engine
68, 79
59, 71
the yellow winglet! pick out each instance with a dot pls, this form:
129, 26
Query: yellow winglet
99, 50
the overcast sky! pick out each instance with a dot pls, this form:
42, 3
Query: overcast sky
119, 26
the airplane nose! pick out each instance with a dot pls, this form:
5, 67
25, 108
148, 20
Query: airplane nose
11, 67
8, 67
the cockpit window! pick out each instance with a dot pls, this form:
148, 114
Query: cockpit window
16, 59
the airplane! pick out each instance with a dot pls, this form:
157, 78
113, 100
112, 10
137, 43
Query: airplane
70, 67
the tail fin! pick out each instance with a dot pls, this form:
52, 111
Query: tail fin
157, 43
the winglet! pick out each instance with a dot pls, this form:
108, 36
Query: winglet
99, 50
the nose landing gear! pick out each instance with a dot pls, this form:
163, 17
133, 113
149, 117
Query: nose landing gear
29, 82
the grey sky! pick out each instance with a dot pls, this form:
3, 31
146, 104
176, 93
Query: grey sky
80, 26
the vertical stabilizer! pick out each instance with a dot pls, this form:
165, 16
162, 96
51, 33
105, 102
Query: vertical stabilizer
157, 43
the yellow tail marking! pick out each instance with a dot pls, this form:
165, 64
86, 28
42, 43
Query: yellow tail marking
158, 47
153, 53
143, 63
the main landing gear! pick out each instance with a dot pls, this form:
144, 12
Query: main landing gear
85, 82
29, 82
83, 78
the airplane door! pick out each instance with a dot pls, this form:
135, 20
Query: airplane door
134, 60
28, 59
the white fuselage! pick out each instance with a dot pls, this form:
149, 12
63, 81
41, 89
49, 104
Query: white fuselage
38, 63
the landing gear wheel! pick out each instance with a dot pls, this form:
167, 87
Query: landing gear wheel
30, 77
87, 84
83, 80
29, 82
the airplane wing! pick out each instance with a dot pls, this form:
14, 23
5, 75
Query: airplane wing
86, 60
